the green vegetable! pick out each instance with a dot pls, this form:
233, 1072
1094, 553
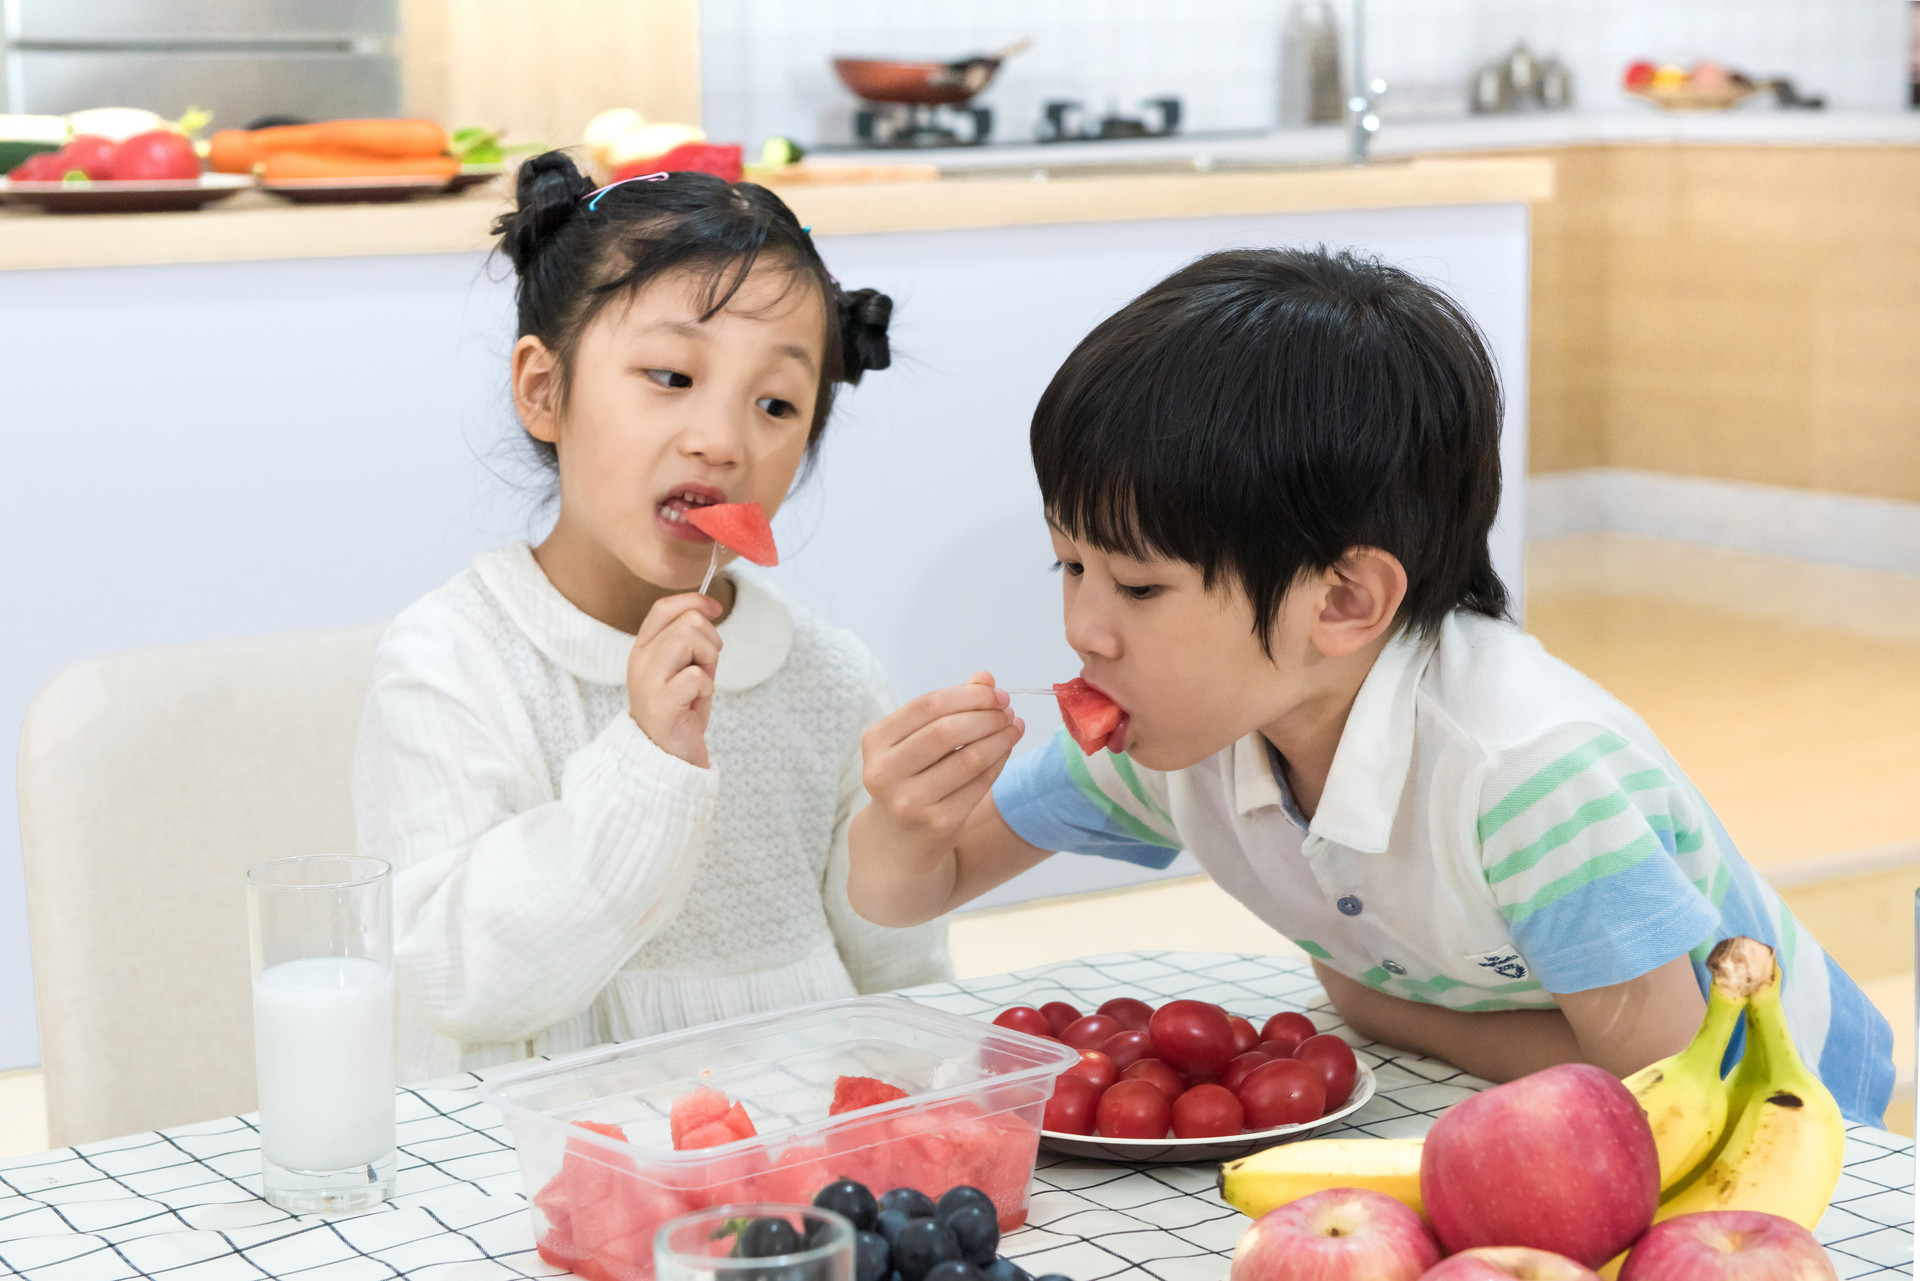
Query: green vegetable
480, 146
778, 153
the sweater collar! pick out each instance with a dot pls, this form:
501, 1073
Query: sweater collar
755, 638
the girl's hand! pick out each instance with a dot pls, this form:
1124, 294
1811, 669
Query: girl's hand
670, 674
927, 765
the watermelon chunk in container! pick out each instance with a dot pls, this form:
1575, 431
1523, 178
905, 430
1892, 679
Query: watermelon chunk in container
738, 527
1088, 714
879, 1089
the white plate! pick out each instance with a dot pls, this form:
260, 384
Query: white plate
1094, 1147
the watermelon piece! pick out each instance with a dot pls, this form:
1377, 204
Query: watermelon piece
704, 1106
850, 1092
611, 1214
739, 1122
738, 527
1089, 715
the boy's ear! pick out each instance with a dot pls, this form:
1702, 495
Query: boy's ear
534, 388
1360, 598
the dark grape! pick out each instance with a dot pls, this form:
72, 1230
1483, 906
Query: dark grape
872, 1258
818, 1230
975, 1229
765, 1238
888, 1224
954, 1198
954, 1270
911, 1202
1004, 1269
920, 1245
851, 1199
1053, 1276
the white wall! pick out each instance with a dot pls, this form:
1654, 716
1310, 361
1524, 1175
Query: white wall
766, 63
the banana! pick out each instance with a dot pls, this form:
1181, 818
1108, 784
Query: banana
1683, 1095
1261, 1182
1784, 1151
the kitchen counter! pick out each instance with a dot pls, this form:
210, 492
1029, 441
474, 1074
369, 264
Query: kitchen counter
255, 227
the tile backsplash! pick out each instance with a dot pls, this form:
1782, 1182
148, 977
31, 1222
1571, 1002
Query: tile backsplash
766, 64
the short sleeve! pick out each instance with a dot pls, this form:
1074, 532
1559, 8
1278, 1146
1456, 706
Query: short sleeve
1057, 798
1582, 839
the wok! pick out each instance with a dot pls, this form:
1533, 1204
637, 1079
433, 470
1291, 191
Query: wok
888, 80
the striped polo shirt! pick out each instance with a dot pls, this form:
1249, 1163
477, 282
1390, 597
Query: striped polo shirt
1495, 828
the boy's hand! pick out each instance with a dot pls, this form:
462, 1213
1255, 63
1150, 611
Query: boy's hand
927, 765
670, 674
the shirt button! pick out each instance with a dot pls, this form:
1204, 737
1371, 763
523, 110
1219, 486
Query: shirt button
1348, 905
1393, 967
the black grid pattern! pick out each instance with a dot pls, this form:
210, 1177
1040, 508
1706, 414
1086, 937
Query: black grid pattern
184, 1204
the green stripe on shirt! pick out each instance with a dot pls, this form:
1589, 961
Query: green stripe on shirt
1124, 768
1083, 779
1543, 783
1594, 869
1527, 857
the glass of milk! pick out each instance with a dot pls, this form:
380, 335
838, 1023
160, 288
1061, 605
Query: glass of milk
321, 929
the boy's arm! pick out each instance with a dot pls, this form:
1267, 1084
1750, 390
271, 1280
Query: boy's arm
1621, 1028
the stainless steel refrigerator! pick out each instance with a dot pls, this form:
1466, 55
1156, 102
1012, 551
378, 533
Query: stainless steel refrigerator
240, 59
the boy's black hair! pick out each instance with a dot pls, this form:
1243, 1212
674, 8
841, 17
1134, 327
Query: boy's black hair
573, 255
1260, 412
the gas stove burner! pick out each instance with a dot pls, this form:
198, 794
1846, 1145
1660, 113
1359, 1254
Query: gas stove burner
1066, 121
920, 124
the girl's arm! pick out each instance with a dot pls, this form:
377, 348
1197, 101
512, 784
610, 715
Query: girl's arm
516, 897
932, 838
1621, 1028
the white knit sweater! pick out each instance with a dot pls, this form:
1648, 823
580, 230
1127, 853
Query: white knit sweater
560, 881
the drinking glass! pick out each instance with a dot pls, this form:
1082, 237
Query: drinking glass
701, 1246
321, 930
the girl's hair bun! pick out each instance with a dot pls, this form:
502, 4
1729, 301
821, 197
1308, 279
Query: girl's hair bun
864, 314
549, 189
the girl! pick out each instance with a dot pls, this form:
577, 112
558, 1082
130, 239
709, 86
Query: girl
615, 806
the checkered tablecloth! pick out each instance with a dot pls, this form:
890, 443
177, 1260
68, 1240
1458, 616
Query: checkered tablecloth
184, 1204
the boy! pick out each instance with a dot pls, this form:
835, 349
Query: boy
1269, 482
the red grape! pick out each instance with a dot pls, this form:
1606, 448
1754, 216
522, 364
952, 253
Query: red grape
1333, 1059
1071, 1110
1134, 1110
1024, 1018
1193, 1036
1158, 1075
1283, 1092
1288, 1028
1095, 1067
1059, 1014
1088, 1033
1244, 1037
1127, 1048
1242, 1064
1129, 1013
1207, 1112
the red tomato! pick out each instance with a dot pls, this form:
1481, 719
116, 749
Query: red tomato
90, 154
1242, 1064
1024, 1018
1283, 1092
1158, 1075
1639, 74
1207, 1112
158, 155
1059, 1014
1244, 1037
1333, 1059
1127, 1048
42, 166
1193, 1036
1274, 1049
1135, 1110
1095, 1067
1129, 1013
1090, 1032
1289, 1029
1071, 1110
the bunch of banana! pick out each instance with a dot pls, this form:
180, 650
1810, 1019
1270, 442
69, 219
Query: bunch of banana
1266, 1180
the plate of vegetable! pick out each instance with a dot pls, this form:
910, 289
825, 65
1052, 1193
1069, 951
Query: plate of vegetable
86, 195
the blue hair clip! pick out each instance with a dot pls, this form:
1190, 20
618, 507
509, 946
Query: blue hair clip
593, 197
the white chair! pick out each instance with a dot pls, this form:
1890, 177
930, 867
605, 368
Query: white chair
150, 781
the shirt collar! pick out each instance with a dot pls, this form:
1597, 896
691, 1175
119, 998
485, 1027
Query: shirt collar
756, 636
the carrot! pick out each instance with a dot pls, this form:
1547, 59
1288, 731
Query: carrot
361, 137
286, 165
232, 151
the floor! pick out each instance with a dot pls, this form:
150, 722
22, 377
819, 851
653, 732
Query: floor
1806, 739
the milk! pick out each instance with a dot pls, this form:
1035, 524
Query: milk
323, 1046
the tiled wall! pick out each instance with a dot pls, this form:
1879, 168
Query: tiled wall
766, 63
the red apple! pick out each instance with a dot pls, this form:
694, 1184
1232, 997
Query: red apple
1341, 1234
1506, 1262
1728, 1245
1562, 1159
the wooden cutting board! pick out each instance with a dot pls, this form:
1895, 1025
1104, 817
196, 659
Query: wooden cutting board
817, 174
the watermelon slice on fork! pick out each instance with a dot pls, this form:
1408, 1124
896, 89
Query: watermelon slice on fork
738, 527
1089, 715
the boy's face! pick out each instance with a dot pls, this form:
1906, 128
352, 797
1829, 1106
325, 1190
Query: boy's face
1182, 662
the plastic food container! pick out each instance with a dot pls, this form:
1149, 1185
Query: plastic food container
597, 1155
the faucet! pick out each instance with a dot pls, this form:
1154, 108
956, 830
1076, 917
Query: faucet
1363, 113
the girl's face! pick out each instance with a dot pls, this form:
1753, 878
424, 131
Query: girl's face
665, 412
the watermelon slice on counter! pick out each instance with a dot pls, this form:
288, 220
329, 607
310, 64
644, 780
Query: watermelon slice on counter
1089, 715
738, 527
